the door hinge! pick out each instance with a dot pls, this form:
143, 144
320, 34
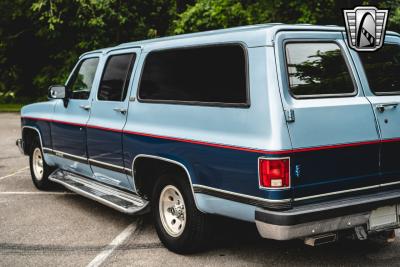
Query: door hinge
289, 115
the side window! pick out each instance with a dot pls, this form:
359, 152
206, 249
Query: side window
81, 81
212, 74
317, 70
382, 68
116, 75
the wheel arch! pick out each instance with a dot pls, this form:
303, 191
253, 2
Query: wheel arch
141, 161
28, 132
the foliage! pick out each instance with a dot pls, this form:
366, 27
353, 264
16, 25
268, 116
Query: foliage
10, 107
206, 15
321, 72
40, 40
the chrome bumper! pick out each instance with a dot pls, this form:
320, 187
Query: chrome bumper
287, 232
20, 145
326, 217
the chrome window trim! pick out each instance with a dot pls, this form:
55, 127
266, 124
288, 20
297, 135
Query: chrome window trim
167, 160
130, 71
200, 103
366, 76
273, 188
319, 41
75, 68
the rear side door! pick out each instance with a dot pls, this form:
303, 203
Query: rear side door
380, 76
334, 136
108, 118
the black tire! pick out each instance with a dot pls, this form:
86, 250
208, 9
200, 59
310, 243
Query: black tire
195, 234
41, 183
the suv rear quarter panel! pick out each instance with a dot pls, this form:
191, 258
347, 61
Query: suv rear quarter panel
219, 146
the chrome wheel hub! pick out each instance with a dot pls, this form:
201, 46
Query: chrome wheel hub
172, 211
37, 164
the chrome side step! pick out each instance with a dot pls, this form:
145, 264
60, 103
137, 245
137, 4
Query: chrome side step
109, 196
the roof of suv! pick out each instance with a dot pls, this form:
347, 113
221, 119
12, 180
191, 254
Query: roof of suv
256, 35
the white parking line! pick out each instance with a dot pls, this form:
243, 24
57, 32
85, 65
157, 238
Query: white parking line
36, 193
120, 239
14, 173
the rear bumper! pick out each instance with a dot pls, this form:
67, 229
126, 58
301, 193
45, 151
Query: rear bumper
329, 216
20, 145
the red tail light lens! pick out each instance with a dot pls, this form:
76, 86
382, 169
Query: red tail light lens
274, 173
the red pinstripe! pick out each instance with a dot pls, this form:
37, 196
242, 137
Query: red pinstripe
221, 145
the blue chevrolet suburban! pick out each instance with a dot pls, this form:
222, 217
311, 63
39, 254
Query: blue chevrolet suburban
280, 125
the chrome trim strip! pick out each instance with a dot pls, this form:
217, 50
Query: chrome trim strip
106, 164
62, 154
167, 160
47, 149
346, 191
287, 200
67, 154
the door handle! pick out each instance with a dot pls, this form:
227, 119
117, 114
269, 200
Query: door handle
121, 110
85, 107
382, 107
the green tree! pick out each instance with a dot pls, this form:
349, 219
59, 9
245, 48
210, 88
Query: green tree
213, 14
40, 40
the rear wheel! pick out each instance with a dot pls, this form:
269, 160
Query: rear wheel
40, 171
180, 226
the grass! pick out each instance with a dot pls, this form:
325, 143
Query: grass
10, 107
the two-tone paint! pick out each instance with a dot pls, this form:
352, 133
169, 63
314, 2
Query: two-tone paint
336, 145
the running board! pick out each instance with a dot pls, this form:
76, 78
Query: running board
109, 196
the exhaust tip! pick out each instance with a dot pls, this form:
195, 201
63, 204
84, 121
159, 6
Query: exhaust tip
320, 239
391, 236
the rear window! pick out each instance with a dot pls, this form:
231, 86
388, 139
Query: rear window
212, 74
382, 68
317, 70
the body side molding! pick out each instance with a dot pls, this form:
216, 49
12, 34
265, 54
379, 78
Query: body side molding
242, 198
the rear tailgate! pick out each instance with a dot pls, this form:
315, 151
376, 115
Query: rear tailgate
334, 135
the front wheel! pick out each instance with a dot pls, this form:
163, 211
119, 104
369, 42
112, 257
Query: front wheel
40, 171
180, 226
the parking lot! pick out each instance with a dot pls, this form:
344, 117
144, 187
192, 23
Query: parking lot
61, 228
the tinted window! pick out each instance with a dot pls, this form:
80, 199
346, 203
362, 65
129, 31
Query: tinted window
81, 81
383, 69
215, 74
317, 69
115, 80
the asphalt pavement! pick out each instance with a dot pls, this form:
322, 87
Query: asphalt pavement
60, 228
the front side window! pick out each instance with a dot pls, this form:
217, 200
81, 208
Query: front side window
115, 80
210, 74
382, 68
317, 70
81, 81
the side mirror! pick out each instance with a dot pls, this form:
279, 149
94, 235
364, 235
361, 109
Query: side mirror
57, 92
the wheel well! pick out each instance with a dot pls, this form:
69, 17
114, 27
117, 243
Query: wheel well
28, 135
147, 170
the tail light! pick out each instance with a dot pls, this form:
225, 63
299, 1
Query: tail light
274, 173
